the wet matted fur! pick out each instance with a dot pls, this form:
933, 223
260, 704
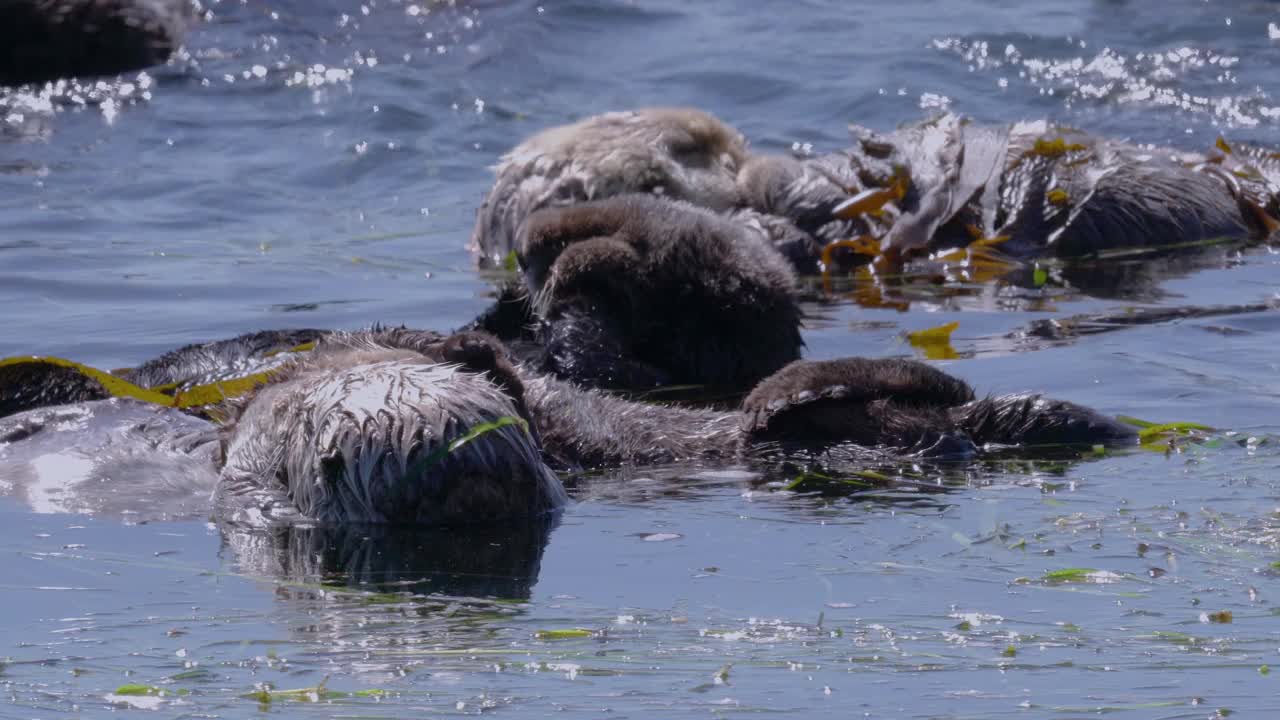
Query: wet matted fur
370, 436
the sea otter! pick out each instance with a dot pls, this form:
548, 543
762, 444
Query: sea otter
655, 248
1039, 188
43, 40
399, 427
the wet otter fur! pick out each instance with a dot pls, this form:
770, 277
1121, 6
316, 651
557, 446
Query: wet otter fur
372, 433
1050, 190
637, 291
400, 427
42, 40
655, 249
678, 153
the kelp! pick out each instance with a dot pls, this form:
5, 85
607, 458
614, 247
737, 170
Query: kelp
480, 429
872, 201
935, 342
184, 399
265, 694
1163, 437
564, 634
180, 395
811, 481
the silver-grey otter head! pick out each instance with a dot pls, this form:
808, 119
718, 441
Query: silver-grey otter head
680, 153
382, 436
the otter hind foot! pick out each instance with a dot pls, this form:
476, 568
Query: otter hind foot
1032, 419
871, 402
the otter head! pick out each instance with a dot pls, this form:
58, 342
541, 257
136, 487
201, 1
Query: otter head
382, 435
678, 153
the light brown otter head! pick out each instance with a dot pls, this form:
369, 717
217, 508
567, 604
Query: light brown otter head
382, 435
675, 152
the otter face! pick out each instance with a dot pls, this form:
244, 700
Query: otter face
676, 153
383, 436
696, 296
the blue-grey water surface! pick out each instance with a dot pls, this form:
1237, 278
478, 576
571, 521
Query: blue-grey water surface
318, 163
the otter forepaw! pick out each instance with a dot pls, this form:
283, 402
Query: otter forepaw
549, 232
696, 295
482, 353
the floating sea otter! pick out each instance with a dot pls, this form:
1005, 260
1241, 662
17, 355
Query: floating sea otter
44, 40
679, 273
671, 201
1036, 188
404, 427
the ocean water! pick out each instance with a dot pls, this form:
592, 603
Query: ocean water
318, 164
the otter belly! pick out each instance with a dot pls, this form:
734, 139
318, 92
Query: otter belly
119, 458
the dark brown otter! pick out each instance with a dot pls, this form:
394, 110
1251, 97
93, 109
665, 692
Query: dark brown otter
636, 291
43, 40
401, 427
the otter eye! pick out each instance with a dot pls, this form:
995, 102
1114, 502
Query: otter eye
690, 153
570, 191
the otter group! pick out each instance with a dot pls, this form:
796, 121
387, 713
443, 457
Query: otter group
654, 249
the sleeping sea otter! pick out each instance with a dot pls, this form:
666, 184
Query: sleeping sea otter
43, 40
1043, 189
624, 222
408, 428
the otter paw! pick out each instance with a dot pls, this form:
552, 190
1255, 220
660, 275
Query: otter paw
862, 400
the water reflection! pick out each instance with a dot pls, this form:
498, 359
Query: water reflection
481, 561
1028, 286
